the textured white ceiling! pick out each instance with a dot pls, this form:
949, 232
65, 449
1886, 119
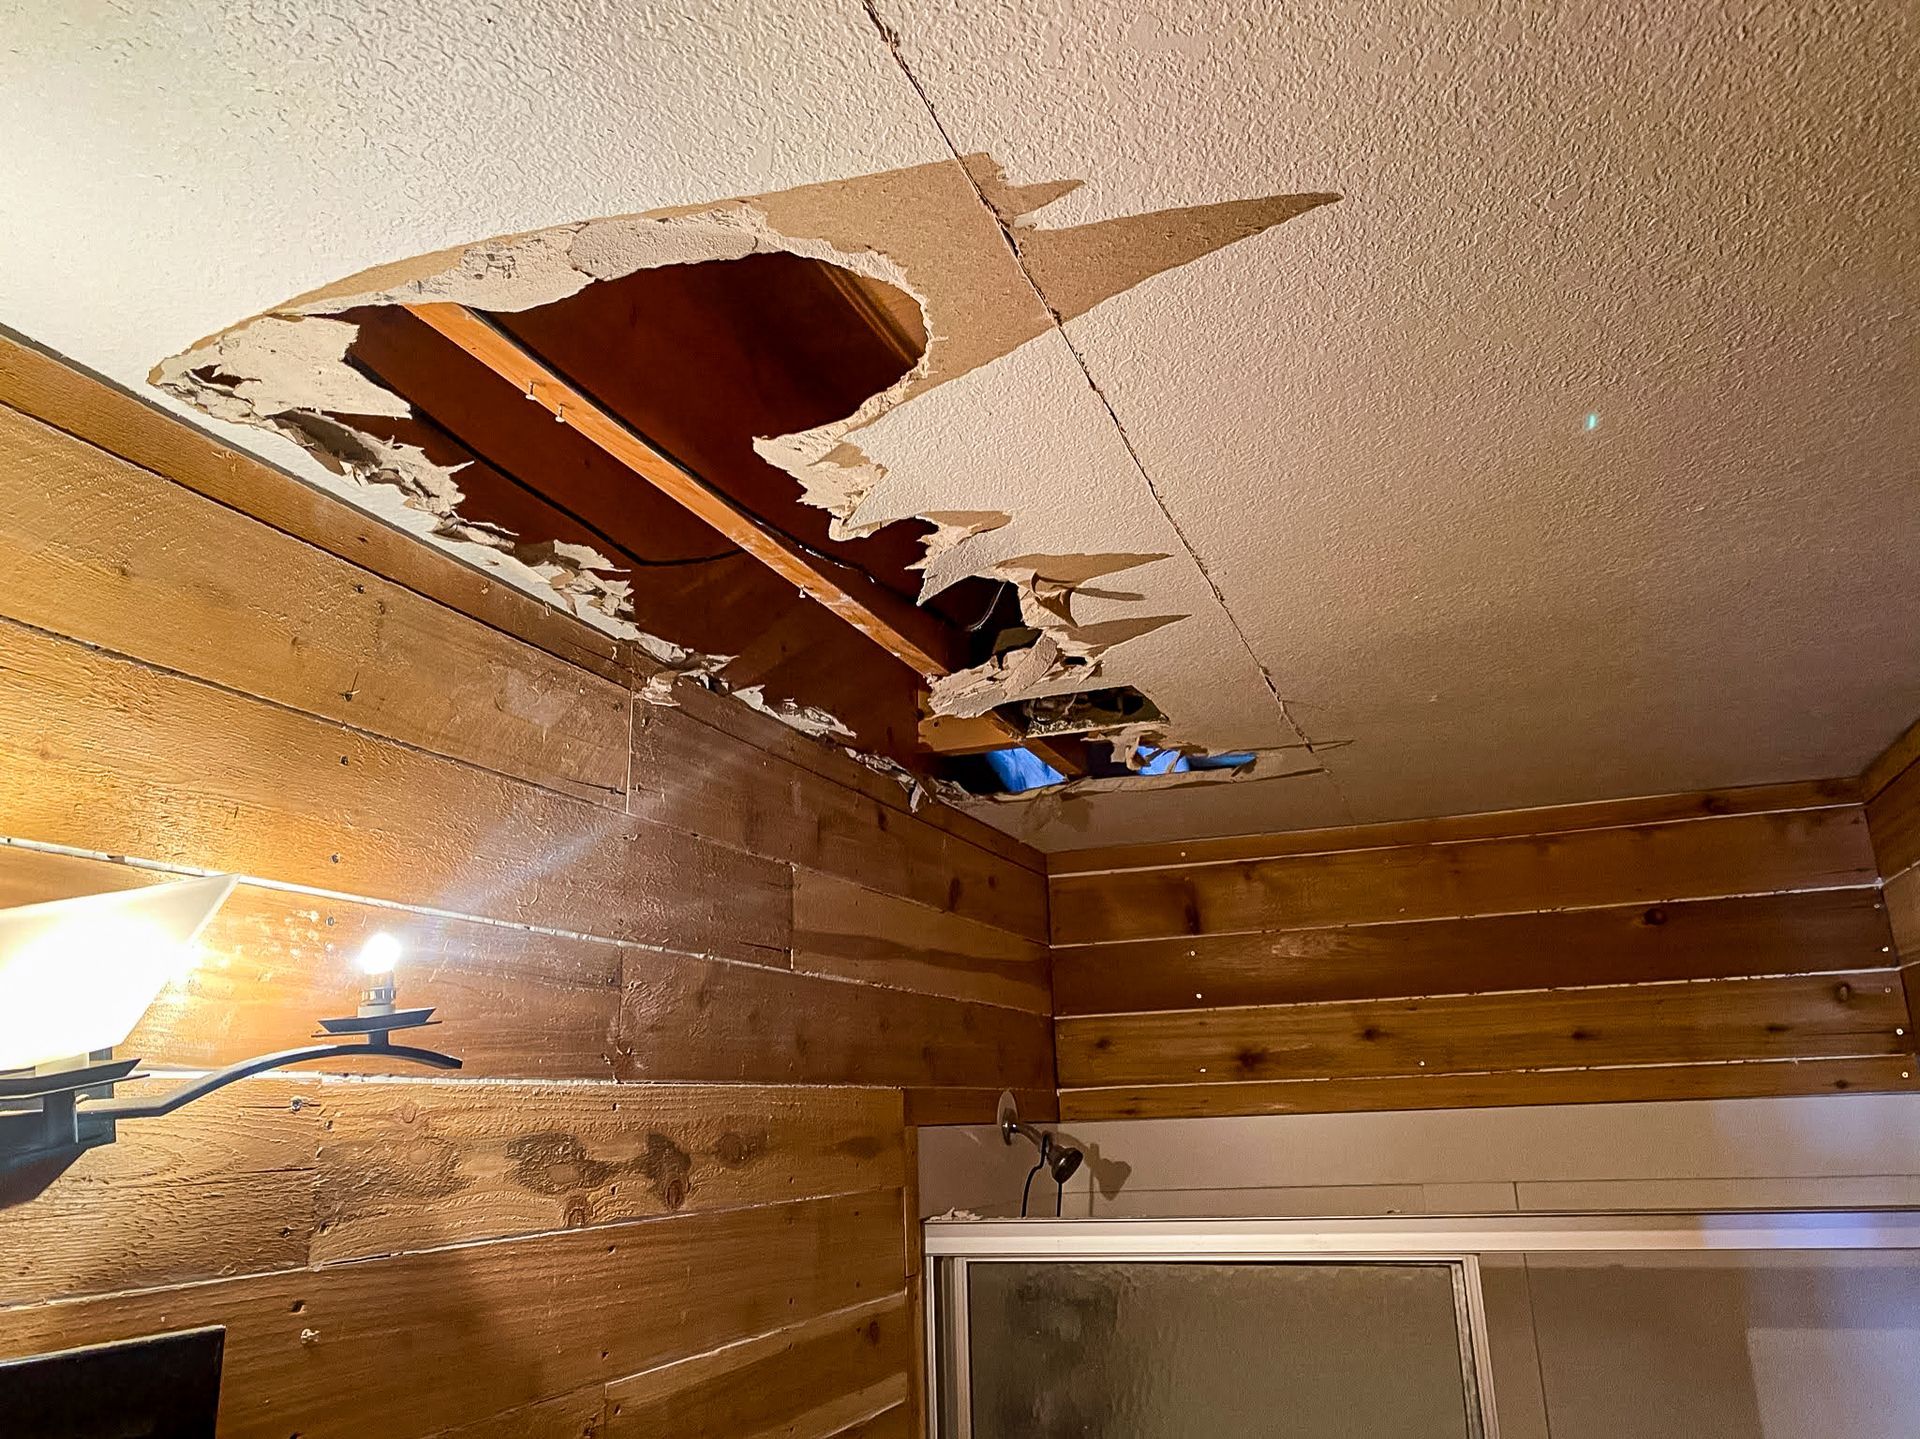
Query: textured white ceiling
1369, 424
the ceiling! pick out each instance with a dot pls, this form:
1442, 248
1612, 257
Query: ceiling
1569, 454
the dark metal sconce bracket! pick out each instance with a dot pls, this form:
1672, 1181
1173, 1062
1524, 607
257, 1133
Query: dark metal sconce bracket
47, 1116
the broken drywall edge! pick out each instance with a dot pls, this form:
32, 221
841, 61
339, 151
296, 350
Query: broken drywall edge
1064, 657
919, 230
808, 719
288, 371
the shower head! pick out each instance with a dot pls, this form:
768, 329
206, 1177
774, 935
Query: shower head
1060, 1160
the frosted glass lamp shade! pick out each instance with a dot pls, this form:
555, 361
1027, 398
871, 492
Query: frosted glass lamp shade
77, 974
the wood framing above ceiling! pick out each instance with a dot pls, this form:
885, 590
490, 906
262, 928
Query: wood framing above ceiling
647, 394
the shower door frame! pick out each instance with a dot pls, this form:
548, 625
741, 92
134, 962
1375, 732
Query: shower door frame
950, 1245
948, 1349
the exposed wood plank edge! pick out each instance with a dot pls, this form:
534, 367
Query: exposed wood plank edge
95, 410
634, 1384
340, 896
579, 792
1462, 829
864, 1420
1865, 884
933, 1106
1615, 1084
914, 636
888, 1198
1891, 762
1638, 985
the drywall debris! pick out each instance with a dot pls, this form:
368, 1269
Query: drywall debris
1018, 674
1053, 654
808, 719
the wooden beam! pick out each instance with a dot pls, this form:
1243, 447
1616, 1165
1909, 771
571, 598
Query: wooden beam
914, 636
1892, 762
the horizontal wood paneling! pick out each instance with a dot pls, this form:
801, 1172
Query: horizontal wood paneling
846, 929
225, 1186
1642, 864
1752, 1079
512, 1002
411, 1167
1447, 829
206, 665
722, 1022
100, 550
1792, 1017
977, 1106
809, 1381
1893, 818
575, 1415
347, 1349
1653, 948
38, 385
519, 1003
282, 1173
764, 732
695, 777
107, 754
1813, 932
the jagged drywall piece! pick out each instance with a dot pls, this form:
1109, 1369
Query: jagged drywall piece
954, 255
275, 364
952, 528
1064, 656
1079, 266
1038, 669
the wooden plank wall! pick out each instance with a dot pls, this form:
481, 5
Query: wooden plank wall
1724, 944
1892, 791
703, 971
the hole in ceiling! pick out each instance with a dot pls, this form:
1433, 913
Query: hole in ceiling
700, 360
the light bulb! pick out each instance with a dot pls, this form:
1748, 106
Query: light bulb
376, 960
380, 954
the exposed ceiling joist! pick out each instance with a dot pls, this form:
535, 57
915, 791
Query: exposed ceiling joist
916, 637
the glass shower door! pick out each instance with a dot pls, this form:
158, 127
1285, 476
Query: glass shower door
1163, 1349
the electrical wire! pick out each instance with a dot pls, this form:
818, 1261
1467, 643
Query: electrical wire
992, 605
1027, 1188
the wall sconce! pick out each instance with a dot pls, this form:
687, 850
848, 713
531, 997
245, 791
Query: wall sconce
76, 975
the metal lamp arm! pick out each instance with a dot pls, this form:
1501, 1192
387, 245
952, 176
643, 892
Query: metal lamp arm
220, 1078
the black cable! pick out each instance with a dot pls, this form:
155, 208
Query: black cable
1027, 1188
992, 605
1059, 1197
